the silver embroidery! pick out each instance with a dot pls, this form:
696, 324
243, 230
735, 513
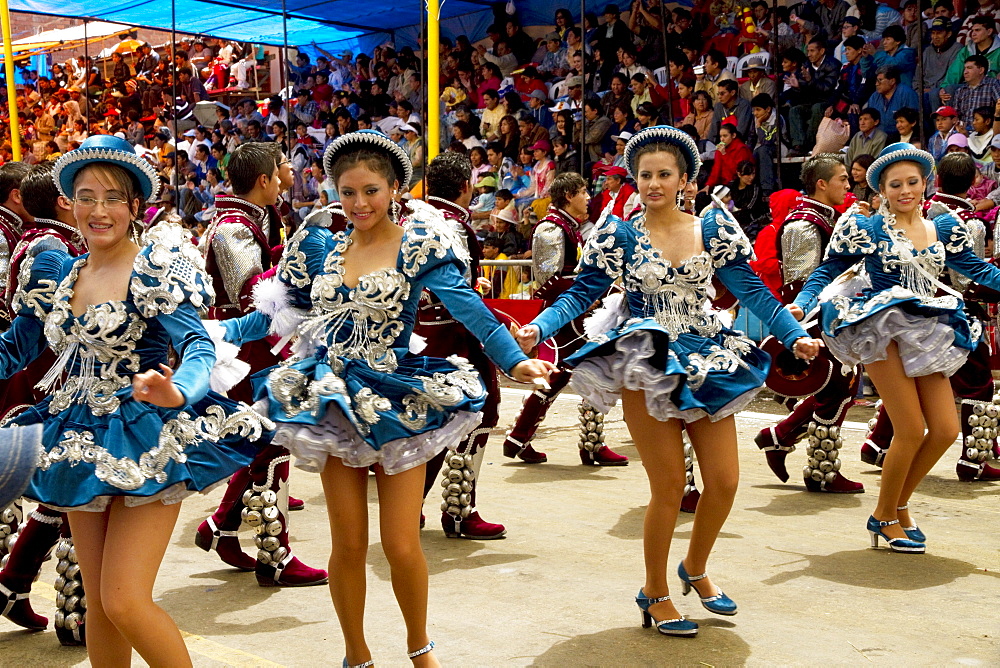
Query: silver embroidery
439, 391
297, 394
731, 243
366, 406
177, 434
850, 238
39, 299
600, 251
719, 359
178, 269
292, 268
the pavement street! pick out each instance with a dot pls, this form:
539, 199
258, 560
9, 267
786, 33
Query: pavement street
558, 591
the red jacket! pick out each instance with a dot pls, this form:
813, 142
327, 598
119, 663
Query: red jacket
724, 167
624, 193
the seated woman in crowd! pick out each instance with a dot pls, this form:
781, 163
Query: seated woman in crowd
701, 114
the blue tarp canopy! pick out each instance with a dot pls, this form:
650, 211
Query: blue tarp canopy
358, 25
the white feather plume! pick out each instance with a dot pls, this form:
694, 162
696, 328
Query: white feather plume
227, 371
613, 312
272, 298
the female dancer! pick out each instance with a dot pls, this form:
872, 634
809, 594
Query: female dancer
909, 339
672, 362
123, 448
354, 397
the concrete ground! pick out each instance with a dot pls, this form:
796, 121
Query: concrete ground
558, 591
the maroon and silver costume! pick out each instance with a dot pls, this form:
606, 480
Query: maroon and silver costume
25, 547
555, 246
239, 248
802, 242
972, 383
446, 336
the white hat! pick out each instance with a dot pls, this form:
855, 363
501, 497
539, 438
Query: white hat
506, 215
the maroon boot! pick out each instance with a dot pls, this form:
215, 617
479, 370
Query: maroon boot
536, 405
879, 437
220, 532
31, 547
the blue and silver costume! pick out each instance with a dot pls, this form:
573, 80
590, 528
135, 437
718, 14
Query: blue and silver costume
353, 390
99, 442
665, 339
895, 294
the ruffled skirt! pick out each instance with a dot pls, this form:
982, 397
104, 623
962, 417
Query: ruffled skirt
141, 452
398, 420
933, 335
691, 378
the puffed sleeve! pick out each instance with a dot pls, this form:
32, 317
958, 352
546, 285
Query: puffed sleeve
432, 255
24, 341
852, 239
601, 263
170, 284
731, 253
961, 255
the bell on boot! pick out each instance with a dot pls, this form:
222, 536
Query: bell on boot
834, 484
472, 527
603, 456
527, 454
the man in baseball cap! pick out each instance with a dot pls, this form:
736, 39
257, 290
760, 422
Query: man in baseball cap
554, 62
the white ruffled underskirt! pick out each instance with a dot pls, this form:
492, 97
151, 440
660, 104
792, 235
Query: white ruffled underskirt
926, 343
336, 436
168, 496
600, 381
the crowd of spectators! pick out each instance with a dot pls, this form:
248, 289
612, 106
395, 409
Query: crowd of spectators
527, 109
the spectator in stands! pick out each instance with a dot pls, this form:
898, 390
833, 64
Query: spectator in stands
629, 65
554, 64
859, 184
907, 130
937, 57
566, 157
539, 109
946, 123
461, 131
749, 201
500, 165
603, 69
510, 137
894, 52
618, 93
701, 114
988, 9
851, 26
531, 131
875, 18
817, 91
501, 56
731, 152
613, 34
831, 15
730, 103
857, 82
978, 90
598, 130
521, 44
870, 138
890, 95
618, 193
757, 82
765, 120
644, 92
622, 119
981, 136
714, 72
492, 113
982, 41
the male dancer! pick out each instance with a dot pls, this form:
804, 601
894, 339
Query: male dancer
555, 249
973, 382
50, 226
450, 191
802, 242
239, 248
13, 218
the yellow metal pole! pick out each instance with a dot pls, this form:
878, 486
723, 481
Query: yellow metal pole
433, 141
8, 64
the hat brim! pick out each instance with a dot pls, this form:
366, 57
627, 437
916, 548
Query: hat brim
370, 139
19, 450
665, 134
899, 152
69, 165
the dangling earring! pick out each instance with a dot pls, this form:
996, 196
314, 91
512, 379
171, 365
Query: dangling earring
883, 210
680, 200
395, 211
136, 232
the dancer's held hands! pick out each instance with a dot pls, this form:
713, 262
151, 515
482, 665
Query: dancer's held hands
527, 338
807, 349
795, 311
157, 388
533, 371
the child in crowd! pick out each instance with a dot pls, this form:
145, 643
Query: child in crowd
486, 198
945, 120
981, 138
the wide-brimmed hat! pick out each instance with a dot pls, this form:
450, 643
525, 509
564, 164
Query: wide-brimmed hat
369, 139
899, 152
109, 149
19, 450
668, 135
507, 215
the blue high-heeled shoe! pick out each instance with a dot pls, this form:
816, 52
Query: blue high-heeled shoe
367, 664
681, 627
895, 544
913, 533
720, 604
